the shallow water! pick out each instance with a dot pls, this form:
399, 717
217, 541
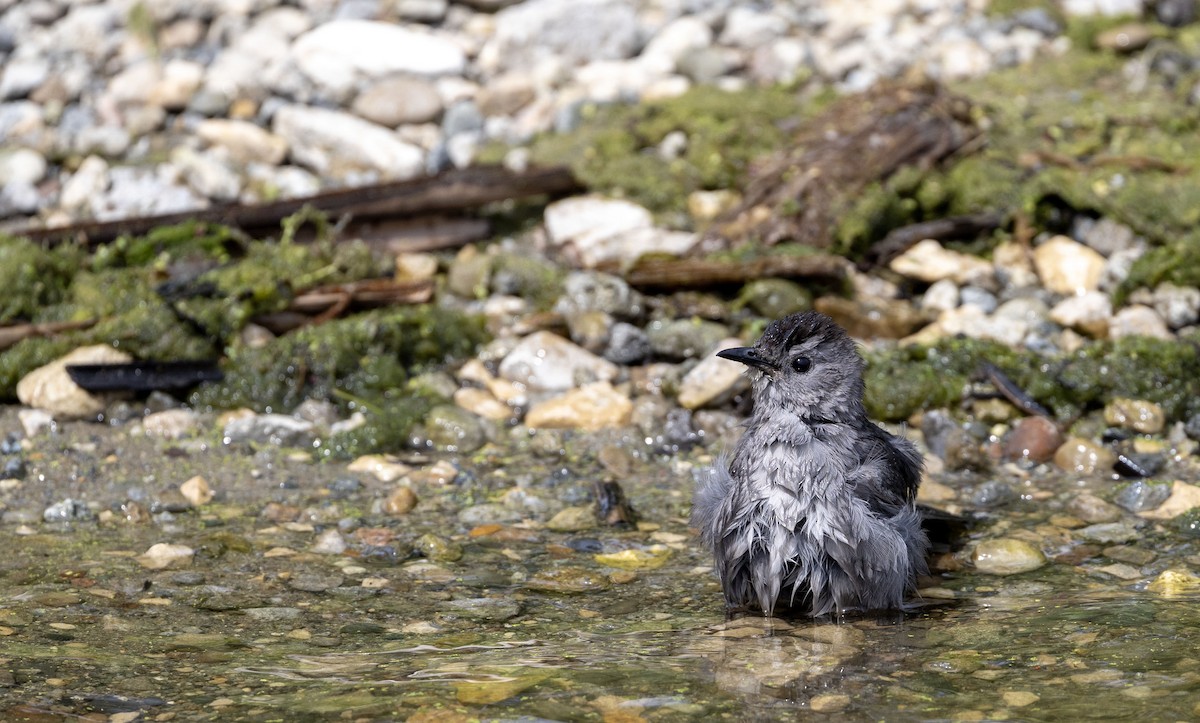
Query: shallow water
531, 624
1051, 645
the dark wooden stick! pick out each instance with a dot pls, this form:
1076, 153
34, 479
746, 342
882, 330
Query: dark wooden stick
701, 273
455, 190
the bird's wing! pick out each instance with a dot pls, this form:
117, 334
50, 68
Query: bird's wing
889, 470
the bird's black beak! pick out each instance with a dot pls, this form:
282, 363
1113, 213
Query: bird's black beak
749, 356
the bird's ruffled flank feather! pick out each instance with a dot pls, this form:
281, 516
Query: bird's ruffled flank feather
713, 487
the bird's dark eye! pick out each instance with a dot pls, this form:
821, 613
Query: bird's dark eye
802, 364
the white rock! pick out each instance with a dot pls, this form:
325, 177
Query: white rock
544, 361
340, 53
940, 296
170, 423
594, 230
962, 58
1179, 306
1089, 313
87, 183
674, 41
712, 379
245, 142
1014, 265
329, 542
21, 165
207, 175
1068, 267
20, 76
338, 144
134, 84
179, 82
749, 28
35, 421
50, 387
1110, 8
165, 556
584, 220
592, 406
1138, 320
928, 261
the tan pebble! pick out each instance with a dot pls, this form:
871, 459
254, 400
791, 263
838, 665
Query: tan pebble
591, 407
829, 702
400, 502
1183, 497
482, 403
1135, 414
1007, 556
197, 491
165, 556
1083, 456
384, 467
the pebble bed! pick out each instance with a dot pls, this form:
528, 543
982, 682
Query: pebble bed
115, 109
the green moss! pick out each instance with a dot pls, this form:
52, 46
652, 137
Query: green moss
364, 357
266, 279
33, 277
615, 149
1177, 263
774, 298
1188, 524
903, 381
24, 357
190, 240
529, 277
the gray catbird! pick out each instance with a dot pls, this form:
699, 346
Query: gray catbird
816, 510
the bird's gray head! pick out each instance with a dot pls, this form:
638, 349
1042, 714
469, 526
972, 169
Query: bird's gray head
806, 364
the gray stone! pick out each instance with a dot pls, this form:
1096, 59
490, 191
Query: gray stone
593, 291
453, 429
1109, 532
1140, 495
488, 513
277, 429
462, 117
685, 338
1107, 236
422, 11
574, 31
398, 101
976, 296
69, 510
991, 494
483, 609
627, 344
1179, 306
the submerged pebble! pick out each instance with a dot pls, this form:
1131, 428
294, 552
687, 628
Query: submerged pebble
1007, 556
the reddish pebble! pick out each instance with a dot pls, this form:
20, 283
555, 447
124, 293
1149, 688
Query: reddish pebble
1033, 438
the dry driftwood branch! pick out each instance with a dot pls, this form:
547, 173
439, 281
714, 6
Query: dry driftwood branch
659, 273
943, 229
800, 194
10, 335
455, 190
323, 303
